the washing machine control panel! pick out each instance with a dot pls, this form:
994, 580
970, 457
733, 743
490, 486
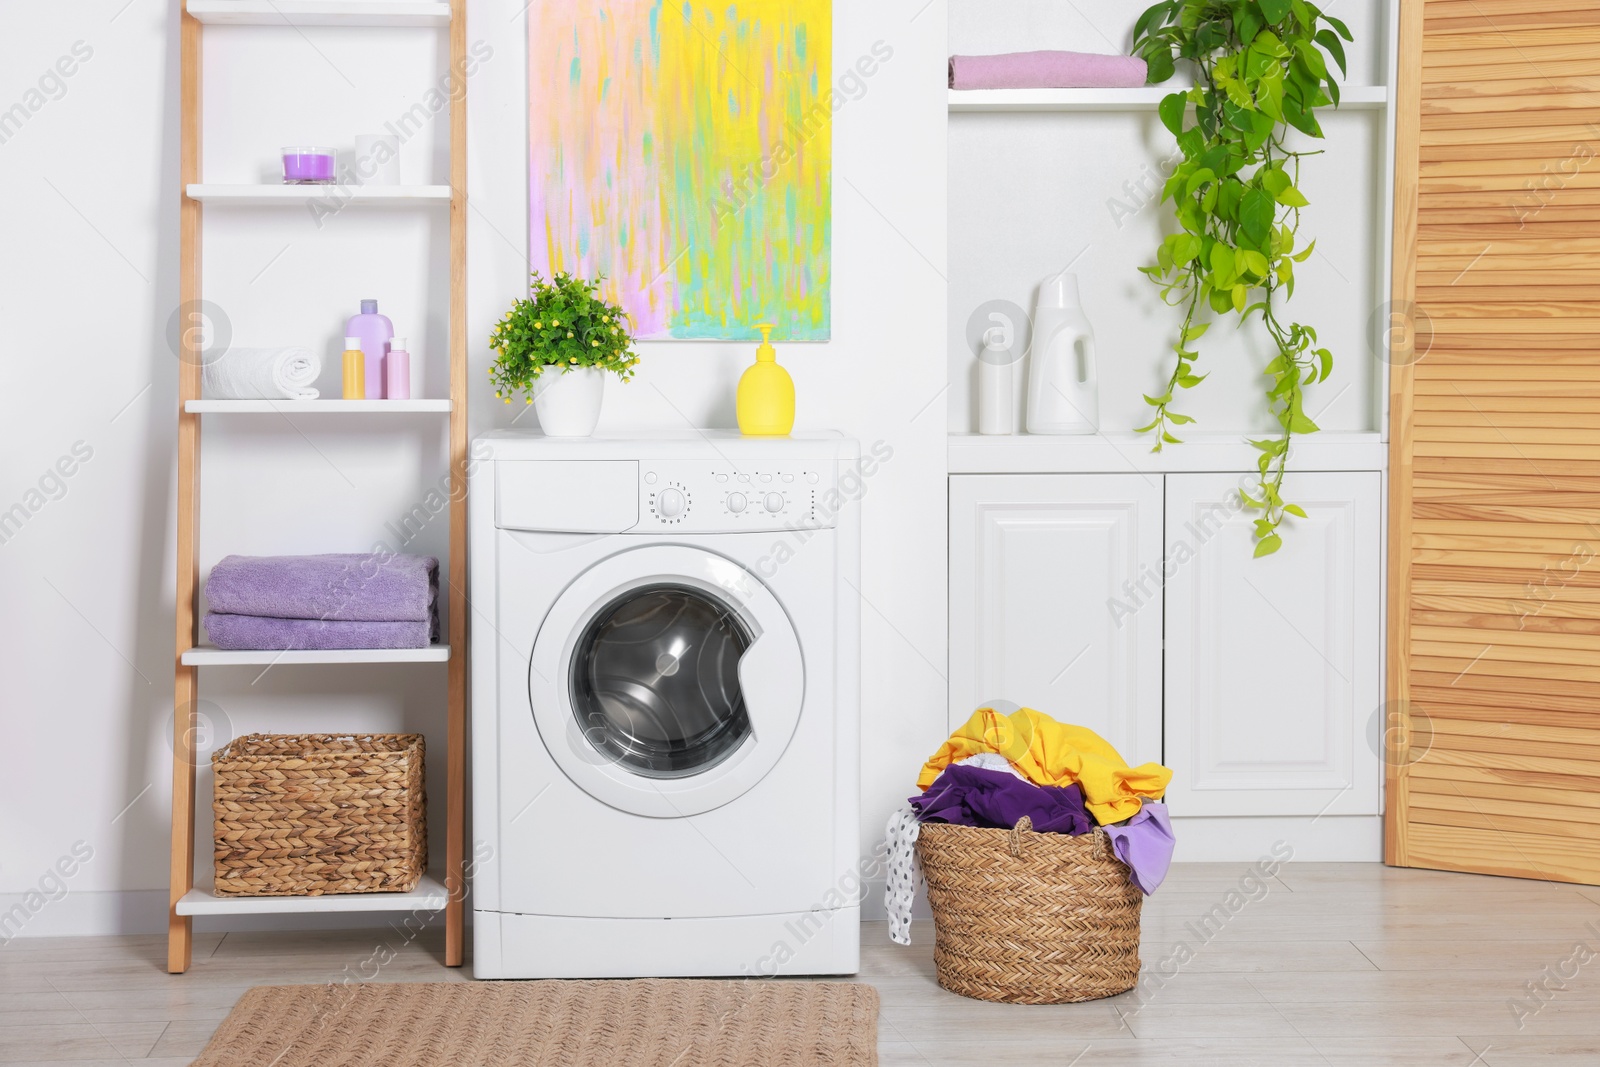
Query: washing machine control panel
727, 497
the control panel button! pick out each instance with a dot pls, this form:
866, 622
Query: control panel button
811, 476
722, 477
774, 502
670, 504
788, 477
736, 502
766, 477
650, 478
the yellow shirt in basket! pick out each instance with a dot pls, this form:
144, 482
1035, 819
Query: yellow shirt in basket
1047, 752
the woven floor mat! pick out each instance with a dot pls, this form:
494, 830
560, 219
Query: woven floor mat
681, 1022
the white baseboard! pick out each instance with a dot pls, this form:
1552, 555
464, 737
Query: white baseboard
1325, 839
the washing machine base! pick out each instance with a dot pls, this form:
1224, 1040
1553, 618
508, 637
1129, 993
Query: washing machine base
510, 945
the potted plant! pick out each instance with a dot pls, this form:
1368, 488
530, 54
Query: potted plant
556, 345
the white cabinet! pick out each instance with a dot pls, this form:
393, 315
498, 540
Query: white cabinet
1272, 664
1055, 600
1064, 586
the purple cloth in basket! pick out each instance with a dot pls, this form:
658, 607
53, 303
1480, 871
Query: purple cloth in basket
974, 796
1047, 70
340, 587
256, 632
1145, 843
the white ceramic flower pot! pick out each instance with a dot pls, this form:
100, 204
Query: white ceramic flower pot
568, 403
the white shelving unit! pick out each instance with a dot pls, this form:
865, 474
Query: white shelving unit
262, 195
430, 895
1052, 537
320, 12
316, 407
211, 656
1148, 98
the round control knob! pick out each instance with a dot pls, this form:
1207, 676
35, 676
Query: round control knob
774, 502
670, 503
736, 502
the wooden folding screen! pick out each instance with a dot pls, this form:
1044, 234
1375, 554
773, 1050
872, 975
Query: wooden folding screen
1494, 579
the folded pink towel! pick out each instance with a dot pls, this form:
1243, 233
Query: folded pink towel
1046, 70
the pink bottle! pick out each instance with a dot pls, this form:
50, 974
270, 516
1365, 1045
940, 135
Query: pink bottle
375, 331
397, 367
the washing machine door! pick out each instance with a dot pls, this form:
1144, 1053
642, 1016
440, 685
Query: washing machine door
666, 681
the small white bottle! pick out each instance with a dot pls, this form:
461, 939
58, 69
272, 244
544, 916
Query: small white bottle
996, 388
1063, 391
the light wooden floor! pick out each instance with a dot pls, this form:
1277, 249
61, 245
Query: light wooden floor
1332, 964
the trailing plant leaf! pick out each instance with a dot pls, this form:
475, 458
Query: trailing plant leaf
1263, 70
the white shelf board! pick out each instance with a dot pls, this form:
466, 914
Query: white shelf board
1126, 453
430, 895
1147, 98
314, 407
321, 12
211, 656
305, 194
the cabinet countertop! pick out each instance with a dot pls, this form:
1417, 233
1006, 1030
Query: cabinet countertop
1127, 453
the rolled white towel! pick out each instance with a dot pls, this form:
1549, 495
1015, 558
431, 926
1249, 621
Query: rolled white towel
262, 373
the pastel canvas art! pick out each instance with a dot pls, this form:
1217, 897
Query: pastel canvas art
683, 151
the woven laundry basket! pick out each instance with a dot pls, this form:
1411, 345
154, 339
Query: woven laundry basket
313, 814
1030, 918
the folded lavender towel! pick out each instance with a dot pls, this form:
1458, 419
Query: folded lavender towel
1047, 70
340, 587
256, 632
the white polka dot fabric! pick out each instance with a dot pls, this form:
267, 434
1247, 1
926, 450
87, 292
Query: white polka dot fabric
904, 873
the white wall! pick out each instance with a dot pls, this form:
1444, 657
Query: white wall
89, 283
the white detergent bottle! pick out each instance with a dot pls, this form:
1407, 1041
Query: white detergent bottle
1063, 390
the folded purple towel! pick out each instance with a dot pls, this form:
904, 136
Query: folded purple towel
255, 632
341, 587
1047, 70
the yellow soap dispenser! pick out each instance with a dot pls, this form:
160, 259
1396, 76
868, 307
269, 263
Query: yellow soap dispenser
766, 393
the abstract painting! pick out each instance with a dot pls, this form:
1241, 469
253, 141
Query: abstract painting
684, 151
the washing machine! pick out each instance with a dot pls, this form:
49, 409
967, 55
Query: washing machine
664, 705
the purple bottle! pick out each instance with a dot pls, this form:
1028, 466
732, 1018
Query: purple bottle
375, 331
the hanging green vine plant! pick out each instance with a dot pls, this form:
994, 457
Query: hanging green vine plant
1263, 69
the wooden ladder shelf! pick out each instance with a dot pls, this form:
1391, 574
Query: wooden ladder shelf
185, 901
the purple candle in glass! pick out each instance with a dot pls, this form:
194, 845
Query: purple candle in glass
308, 166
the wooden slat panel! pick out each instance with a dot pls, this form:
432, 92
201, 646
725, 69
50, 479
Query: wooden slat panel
1439, 816
1495, 440
1450, 808
1580, 737
1570, 802
1530, 619
1572, 768
1441, 772
1542, 692
1481, 666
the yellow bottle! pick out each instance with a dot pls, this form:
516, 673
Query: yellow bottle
766, 393
355, 370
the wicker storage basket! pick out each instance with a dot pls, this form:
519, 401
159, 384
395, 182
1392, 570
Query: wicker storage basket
310, 814
1030, 918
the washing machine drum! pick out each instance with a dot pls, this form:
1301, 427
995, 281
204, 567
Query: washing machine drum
666, 681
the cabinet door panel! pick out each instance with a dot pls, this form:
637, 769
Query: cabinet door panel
1055, 600
1272, 664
